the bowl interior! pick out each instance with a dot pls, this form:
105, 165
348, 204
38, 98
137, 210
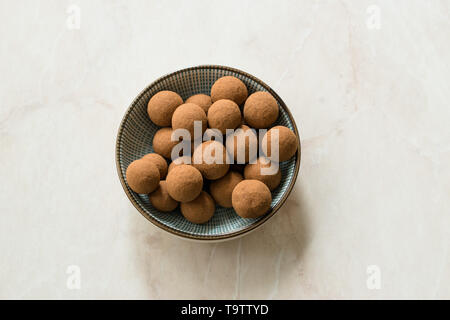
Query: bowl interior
135, 140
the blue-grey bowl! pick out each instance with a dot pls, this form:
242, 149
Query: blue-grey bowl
134, 140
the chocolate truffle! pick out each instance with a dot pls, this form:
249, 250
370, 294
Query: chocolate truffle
243, 139
271, 177
202, 100
229, 87
222, 188
211, 166
159, 162
162, 143
251, 198
260, 110
142, 176
161, 107
185, 115
184, 183
199, 210
287, 143
178, 161
161, 199
224, 114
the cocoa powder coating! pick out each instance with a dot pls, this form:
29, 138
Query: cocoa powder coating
229, 87
185, 115
162, 143
224, 114
161, 199
287, 143
184, 183
222, 188
159, 162
238, 144
251, 199
161, 107
261, 110
205, 160
271, 177
199, 210
142, 176
202, 100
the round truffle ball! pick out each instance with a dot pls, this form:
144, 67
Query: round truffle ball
159, 162
222, 188
199, 210
161, 199
162, 142
184, 183
287, 143
264, 172
202, 100
251, 198
211, 159
224, 114
229, 87
161, 107
142, 176
179, 161
239, 143
185, 115
261, 110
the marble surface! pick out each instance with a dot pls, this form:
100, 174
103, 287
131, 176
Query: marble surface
367, 81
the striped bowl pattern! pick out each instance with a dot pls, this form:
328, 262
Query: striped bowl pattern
134, 140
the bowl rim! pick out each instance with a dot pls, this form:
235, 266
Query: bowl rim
206, 238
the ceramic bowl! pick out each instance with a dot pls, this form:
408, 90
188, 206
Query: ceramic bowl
134, 140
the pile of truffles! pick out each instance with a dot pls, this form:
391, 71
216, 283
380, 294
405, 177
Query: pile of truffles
195, 182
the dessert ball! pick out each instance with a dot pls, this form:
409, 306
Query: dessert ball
251, 198
161, 199
159, 162
271, 176
142, 176
199, 210
222, 188
161, 107
224, 114
184, 183
211, 158
229, 87
202, 100
178, 161
162, 142
185, 115
286, 140
260, 110
242, 144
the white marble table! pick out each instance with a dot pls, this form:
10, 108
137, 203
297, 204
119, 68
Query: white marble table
368, 83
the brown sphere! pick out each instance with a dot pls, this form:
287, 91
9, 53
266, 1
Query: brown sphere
222, 188
202, 100
287, 143
199, 210
238, 144
185, 115
179, 161
161, 199
251, 199
229, 87
162, 142
159, 162
270, 177
142, 176
161, 107
261, 110
211, 166
224, 114
184, 183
